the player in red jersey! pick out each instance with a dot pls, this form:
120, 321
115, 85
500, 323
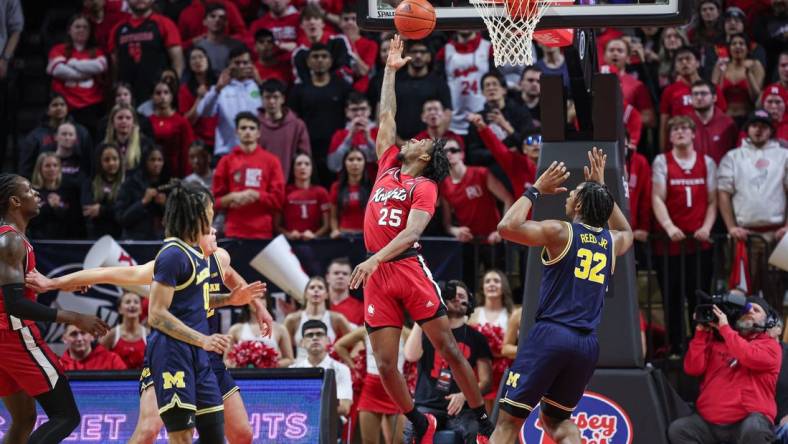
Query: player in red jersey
28, 368
395, 275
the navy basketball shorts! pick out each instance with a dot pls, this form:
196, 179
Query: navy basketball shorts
182, 376
227, 385
553, 367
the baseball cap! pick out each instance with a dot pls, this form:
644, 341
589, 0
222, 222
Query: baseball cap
735, 12
775, 89
759, 115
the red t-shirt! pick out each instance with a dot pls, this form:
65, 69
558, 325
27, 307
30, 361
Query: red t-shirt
78, 93
304, 208
285, 28
676, 99
259, 171
519, 168
351, 214
204, 127
282, 70
352, 309
393, 196
635, 92
472, 203
716, 137
190, 22
174, 134
99, 359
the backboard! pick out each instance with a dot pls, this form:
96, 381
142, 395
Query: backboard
378, 15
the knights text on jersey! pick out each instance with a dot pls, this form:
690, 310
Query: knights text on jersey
393, 196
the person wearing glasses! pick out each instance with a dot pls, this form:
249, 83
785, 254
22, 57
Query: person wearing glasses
315, 341
715, 132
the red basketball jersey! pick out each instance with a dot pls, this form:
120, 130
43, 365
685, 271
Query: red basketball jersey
304, 208
8, 322
687, 193
393, 196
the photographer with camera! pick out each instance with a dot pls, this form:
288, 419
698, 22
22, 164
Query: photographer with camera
738, 366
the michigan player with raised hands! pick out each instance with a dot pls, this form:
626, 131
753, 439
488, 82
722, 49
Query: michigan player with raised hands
555, 362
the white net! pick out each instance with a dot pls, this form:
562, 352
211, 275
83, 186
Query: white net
511, 24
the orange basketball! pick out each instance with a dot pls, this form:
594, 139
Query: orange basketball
414, 19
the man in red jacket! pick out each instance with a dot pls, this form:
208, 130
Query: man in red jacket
81, 355
738, 380
248, 184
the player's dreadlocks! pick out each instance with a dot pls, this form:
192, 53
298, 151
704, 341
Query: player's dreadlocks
438, 167
184, 212
8, 187
596, 204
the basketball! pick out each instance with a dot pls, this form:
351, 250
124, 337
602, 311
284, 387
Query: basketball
414, 19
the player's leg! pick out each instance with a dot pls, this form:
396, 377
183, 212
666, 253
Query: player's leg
385, 345
180, 424
236, 420
507, 428
22, 409
149, 423
370, 425
210, 406
210, 426
61, 409
561, 430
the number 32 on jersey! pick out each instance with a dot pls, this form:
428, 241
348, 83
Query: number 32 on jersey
591, 265
391, 217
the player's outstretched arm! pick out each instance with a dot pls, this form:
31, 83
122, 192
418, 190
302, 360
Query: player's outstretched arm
13, 254
515, 225
617, 223
387, 126
135, 275
160, 318
257, 305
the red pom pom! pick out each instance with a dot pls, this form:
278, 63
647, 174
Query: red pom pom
253, 354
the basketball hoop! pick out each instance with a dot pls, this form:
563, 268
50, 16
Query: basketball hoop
511, 24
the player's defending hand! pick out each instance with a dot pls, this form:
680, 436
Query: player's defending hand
244, 294
362, 272
217, 343
38, 282
395, 60
90, 324
595, 171
549, 182
264, 319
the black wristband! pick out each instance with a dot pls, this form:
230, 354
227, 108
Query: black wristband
16, 304
532, 194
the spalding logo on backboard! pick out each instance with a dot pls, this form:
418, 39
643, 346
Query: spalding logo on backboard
600, 420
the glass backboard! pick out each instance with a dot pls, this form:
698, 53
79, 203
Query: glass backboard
378, 15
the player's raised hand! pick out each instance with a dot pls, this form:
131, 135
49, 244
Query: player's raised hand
362, 272
244, 294
217, 343
595, 171
395, 60
550, 181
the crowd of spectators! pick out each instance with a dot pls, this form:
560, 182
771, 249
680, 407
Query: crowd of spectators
273, 106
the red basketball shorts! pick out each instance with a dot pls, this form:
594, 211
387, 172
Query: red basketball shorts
27, 363
398, 286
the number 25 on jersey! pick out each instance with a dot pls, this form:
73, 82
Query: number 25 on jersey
591, 265
390, 216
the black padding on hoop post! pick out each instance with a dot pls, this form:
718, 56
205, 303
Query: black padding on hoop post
607, 107
553, 110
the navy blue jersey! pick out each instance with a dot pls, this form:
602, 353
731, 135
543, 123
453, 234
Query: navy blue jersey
574, 283
217, 286
181, 266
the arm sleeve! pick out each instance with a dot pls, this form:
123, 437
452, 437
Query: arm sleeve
172, 266
425, 195
172, 37
711, 173
274, 196
90, 66
61, 70
303, 143
219, 184
337, 149
323, 200
15, 20
697, 357
762, 354
388, 159
16, 304
208, 106
725, 180
659, 170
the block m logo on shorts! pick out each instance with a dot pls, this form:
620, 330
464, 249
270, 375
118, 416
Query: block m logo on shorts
511, 381
174, 380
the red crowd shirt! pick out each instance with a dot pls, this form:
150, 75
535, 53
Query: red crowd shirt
284, 28
738, 376
367, 50
472, 203
99, 359
351, 215
686, 198
676, 99
716, 137
174, 134
260, 171
519, 168
78, 94
204, 127
103, 31
190, 22
393, 196
358, 140
282, 70
635, 92
351, 308
639, 192
304, 208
